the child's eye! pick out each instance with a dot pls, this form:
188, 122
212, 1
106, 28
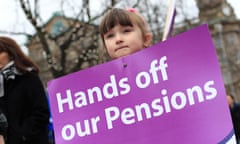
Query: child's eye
107, 36
127, 30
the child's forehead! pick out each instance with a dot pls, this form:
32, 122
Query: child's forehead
122, 26
122, 22
118, 16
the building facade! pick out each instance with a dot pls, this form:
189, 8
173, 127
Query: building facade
225, 30
68, 53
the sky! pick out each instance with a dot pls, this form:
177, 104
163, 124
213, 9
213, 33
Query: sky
235, 4
12, 18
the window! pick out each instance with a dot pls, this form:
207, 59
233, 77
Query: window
57, 28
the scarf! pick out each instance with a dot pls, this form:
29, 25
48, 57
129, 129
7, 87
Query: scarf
7, 72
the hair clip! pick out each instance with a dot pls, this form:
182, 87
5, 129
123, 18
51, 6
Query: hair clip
131, 10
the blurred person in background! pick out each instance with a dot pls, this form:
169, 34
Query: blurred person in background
22, 96
235, 114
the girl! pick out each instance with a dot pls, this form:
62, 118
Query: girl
124, 32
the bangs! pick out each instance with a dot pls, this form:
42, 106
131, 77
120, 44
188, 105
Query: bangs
115, 17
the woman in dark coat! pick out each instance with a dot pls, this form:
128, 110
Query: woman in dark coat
22, 96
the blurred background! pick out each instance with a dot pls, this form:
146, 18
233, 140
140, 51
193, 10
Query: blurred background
61, 36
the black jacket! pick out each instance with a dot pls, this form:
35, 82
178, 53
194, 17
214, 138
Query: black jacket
26, 108
235, 113
3, 124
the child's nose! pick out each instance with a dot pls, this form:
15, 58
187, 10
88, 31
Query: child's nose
118, 38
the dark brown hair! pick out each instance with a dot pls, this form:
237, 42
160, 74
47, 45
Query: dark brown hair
21, 61
123, 17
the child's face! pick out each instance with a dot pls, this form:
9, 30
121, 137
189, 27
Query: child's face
123, 40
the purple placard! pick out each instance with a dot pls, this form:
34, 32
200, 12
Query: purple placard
171, 93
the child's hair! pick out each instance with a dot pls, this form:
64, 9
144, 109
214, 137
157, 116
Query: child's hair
123, 17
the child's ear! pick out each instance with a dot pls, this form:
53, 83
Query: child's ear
147, 40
